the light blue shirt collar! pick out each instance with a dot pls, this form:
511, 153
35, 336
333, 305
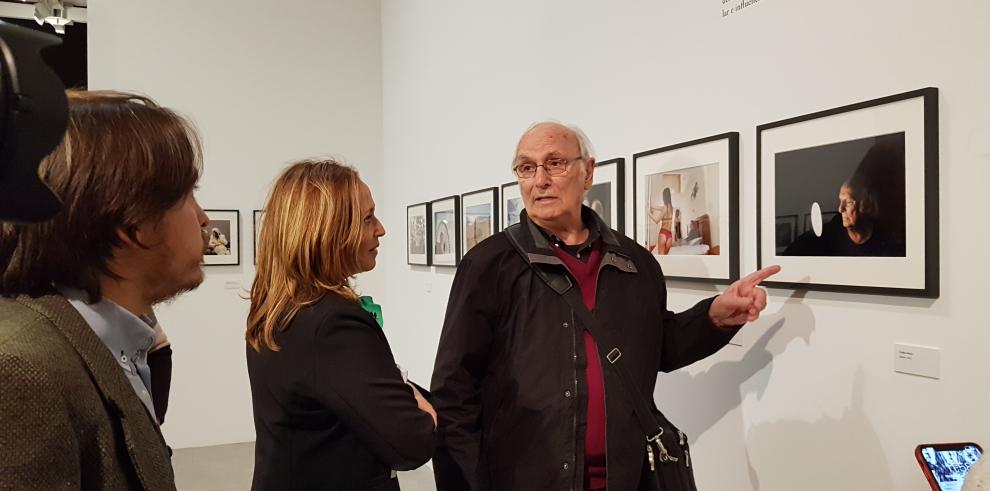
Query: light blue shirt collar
127, 336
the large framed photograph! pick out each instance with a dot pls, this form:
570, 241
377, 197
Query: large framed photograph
863, 181
512, 204
607, 196
479, 211
418, 234
258, 218
445, 248
223, 238
686, 211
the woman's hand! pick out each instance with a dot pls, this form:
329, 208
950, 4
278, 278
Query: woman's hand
424, 405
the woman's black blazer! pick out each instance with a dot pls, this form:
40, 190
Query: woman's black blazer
330, 408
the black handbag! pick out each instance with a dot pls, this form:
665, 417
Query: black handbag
667, 465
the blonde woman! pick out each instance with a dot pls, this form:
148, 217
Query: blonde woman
331, 409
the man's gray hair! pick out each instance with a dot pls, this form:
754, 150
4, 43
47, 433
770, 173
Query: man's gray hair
584, 144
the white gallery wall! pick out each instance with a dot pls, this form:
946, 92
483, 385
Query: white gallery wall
266, 82
810, 400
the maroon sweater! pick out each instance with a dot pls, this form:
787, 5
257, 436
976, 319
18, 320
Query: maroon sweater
584, 268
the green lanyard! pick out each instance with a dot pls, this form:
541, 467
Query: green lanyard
369, 306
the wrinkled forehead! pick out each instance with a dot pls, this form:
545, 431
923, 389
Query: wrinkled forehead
547, 140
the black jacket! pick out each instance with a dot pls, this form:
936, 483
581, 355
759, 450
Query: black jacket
330, 408
509, 380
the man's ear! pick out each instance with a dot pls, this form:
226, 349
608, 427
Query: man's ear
133, 236
589, 174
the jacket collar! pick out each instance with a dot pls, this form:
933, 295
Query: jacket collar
540, 251
142, 436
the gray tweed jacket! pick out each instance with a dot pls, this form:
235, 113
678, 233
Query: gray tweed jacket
69, 419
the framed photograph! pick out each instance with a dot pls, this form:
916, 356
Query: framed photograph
445, 247
686, 207
512, 204
607, 195
418, 234
223, 238
479, 211
864, 178
259, 216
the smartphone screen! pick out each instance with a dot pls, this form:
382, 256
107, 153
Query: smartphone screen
950, 465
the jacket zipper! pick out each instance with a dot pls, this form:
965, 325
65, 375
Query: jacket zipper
574, 356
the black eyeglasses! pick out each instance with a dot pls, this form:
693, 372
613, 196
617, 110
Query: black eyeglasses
554, 167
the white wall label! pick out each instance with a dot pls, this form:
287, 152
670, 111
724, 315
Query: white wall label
917, 360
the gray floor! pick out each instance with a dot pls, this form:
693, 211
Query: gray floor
229, 467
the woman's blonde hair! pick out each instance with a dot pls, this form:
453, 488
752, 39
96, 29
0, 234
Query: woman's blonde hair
308, 247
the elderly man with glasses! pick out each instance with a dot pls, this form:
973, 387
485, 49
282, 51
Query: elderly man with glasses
554, 333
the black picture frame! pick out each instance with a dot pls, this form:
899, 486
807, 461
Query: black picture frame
511, 204
694, 160
610, 173
258, 216
450, 255
412, 212
489, 196
228, 224
897, 133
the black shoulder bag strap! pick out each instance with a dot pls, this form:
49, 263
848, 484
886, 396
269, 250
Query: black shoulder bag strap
642, 407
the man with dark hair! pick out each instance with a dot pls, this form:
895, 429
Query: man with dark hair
76, 321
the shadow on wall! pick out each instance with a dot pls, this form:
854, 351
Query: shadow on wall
827, 454
697, 402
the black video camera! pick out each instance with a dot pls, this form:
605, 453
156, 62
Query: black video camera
33, 117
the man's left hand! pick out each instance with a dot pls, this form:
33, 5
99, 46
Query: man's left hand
743, 301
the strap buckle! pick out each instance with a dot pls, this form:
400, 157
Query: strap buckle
613, 356
655, 437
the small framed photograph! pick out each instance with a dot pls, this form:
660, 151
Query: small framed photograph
445, 248
223, 238
259, 216
512, 204
607, 196
479, 211
686, 213
418, 234
864, 180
